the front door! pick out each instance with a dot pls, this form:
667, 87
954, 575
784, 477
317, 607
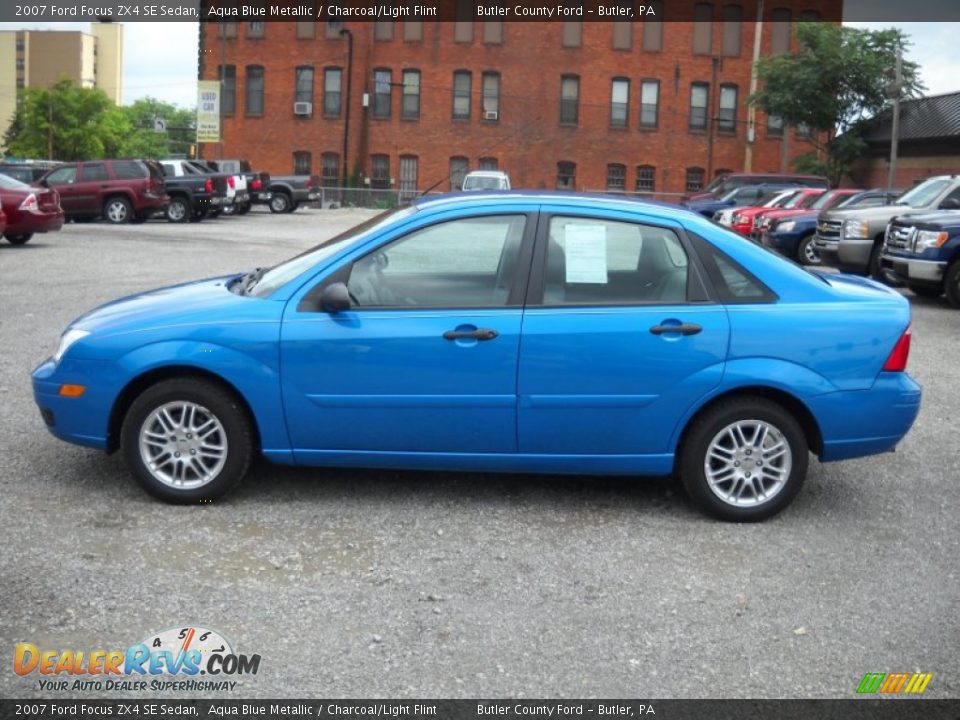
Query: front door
64, 181
617, 344
425, 359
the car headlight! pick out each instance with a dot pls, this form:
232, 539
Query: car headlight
855, 229
738, 219
786, 226
66, 340
927, 239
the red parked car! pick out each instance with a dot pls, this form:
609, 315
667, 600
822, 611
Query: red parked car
823, 201
745, 219
28, 210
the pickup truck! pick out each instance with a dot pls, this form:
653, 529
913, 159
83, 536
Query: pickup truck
258, 183
176, 167
288, 192
193, 197
242, 199
852, 240
922, 250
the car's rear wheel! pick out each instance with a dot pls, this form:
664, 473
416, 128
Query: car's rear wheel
951, 284
187, 440
245, 208
280, 203
117, 210
22, 239
744, 459
178, 210
925, 291
807, 254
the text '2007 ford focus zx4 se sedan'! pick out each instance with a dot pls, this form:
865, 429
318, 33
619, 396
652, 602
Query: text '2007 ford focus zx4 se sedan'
516, 332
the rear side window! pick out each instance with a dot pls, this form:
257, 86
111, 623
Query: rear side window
129, 170
94, 171
732, 282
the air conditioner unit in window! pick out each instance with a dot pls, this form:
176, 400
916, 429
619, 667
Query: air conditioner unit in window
303, 108
490, 115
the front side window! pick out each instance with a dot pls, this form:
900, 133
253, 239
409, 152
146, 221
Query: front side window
727, 121
569, 100
619, 102
255, 87
606, 262
411, 95
649, 103
699, 94
382, 80
332, 81
566, 176
469, 262
63, 175
461, 95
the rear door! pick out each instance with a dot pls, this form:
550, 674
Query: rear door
619, 340
92, 181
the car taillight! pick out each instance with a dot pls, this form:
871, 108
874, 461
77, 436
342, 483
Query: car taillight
149, 184
29, 203
256, 184
231, 182
310, 184
208, 186
897, 361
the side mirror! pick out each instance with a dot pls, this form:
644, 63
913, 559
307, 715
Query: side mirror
951, 203
335, 298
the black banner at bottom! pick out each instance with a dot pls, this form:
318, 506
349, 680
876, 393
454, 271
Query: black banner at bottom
853, 709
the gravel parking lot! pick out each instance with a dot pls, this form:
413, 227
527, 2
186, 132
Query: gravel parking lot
392, 584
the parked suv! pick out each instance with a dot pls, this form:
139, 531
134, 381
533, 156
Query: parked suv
119, 191
923, 251
852, 240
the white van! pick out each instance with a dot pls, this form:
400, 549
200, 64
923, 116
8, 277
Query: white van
486, 180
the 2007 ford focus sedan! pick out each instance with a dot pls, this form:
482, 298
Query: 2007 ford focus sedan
514, 332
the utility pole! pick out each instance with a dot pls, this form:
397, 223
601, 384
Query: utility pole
751, 109
49, 124
896, 89
346, 114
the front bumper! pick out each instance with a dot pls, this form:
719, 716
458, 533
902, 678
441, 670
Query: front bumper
784, 243
846, 254
909, 269
81, 420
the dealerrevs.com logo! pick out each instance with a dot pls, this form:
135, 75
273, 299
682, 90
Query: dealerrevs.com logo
173, 659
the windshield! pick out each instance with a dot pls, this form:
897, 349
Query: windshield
9, 183
780, 200
482, 183
924, 193
717, 182
809, 201
287, 271
824, 200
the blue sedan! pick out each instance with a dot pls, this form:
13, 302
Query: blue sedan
516, 332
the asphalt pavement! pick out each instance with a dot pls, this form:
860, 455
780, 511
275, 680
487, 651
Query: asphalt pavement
413, 584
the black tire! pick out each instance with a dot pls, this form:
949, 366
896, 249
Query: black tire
245, 208
21, 239
951, 284
280, 202
710, 427
807, 254
295, 206
179, 210
873, 269
220, 403
198, 215
925, 291
117, 210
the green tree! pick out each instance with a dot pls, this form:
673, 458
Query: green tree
839, 78
145, 142
66, 122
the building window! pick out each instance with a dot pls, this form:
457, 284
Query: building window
410, 109
228, 103
21, 84
780, 37
645, 178
382, 81
302, 164
653, 27
649, 103
22, 45
694, 179
572, 34
489, 163
228, 31
616, 177
803, 131
493, 32
569, 99
306, 30
463, 21
727, 121
333, 28
412, 31
256, 29
619, 102
304, 86
383, 30
702, 29
491, 96
332, 81
699, 95
566, 176
732, 20
458, 171
462, 81
380, 172
21, 64
810, 16
409, 170
255, 87
774, 126
330, 170
623, 30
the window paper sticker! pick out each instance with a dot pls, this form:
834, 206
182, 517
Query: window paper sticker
586, 250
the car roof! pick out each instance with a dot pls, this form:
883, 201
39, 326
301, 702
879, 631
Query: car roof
595, 200
487, 173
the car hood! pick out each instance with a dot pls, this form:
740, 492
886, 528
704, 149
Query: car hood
191, 303
879, 212
941, 219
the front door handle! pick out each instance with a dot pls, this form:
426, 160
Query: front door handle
478, 334
684, 329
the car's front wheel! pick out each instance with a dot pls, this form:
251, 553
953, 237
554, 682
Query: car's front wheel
744, 459
187, 440
951, 284
806, 253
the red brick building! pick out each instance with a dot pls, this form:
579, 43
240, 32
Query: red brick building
649, 105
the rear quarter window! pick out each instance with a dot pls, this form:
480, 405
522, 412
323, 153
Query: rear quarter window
732, 282
129, 170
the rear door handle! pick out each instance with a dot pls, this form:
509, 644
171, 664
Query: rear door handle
685, 329
478, 334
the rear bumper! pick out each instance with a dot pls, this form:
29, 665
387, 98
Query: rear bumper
913, 269
857, 423
41, 222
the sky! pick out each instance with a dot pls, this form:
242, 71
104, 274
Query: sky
160, 59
